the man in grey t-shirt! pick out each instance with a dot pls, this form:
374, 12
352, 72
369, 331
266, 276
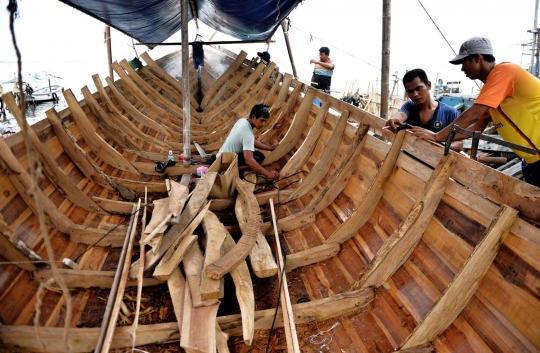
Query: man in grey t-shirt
242, 141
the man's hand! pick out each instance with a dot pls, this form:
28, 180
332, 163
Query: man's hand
423, 134
274, 175
313, 61
393, 123
274, 145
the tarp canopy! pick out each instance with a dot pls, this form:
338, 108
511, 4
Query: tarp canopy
153, 21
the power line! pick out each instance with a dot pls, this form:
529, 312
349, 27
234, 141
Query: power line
437, 27
331, 45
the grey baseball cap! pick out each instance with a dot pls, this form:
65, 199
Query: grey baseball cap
474, 45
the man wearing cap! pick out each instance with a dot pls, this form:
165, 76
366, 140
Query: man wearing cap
510, 98
242, 141
323, 71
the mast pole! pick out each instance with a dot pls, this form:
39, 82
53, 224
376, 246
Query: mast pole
185, 81
286, 34
385, 65
109, 51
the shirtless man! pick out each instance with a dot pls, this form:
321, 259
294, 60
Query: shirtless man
324, 68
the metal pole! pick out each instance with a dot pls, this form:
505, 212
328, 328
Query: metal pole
185, 82
535, 30
286, 34
385, 65
109, 51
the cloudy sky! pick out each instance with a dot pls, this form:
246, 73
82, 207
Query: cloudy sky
52, 36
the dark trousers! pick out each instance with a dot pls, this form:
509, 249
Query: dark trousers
323, 82
531, 172
258, 156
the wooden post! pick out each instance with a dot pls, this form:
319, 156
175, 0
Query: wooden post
286, 34
385, 65
109, 51
185, 82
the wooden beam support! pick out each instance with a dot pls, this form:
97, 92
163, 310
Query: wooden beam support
99, 237
84, 339
10, 252
215, 236
310, 256
371, 198
399, 246
465, 283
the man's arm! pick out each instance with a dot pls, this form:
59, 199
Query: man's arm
467, 119
256, 167
264, 146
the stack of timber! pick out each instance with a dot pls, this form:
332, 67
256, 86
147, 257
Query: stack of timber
383, 242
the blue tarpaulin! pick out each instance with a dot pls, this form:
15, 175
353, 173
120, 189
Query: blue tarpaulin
153, 21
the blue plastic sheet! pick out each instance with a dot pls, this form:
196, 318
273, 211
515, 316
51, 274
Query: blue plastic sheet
153, 21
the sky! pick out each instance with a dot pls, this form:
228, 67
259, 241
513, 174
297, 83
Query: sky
67, 43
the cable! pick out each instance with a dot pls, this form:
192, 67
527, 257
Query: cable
437, 27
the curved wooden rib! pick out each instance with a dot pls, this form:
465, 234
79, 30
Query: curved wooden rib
277, 107
246, 86
465, 283
397, 249
106, 125
272, 91
366, 207
261, 258
210, 108
305, 150
125, 124
320, 169
292, 136
241, 250
10, 251
221, 80
270, 129
245, 105
126, 105
103, 150
23, 184
78, 156
164, 75
55, 175
336, 183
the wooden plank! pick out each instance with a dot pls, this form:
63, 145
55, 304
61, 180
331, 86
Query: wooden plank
76, 279
241, 250
93, 236
371, 198
114, 206
244, 292
84, 339
294, 133
288, 317
103, 150
302, 154
55, 175
337, 181
310, 256
179, 248
177, 198
198, 198
221, 340
160, 212
397, 249
198, 333
32, 196
215, 235
466, 282
320, 169
177, 288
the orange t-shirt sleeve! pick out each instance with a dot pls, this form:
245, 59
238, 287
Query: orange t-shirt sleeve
498, 86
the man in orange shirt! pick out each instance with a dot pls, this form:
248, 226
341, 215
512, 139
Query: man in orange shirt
510, 98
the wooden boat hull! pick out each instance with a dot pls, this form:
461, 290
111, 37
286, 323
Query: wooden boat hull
387, 243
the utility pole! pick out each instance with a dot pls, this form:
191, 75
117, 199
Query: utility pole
185, 82
286, 34
534, 50
385, 65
